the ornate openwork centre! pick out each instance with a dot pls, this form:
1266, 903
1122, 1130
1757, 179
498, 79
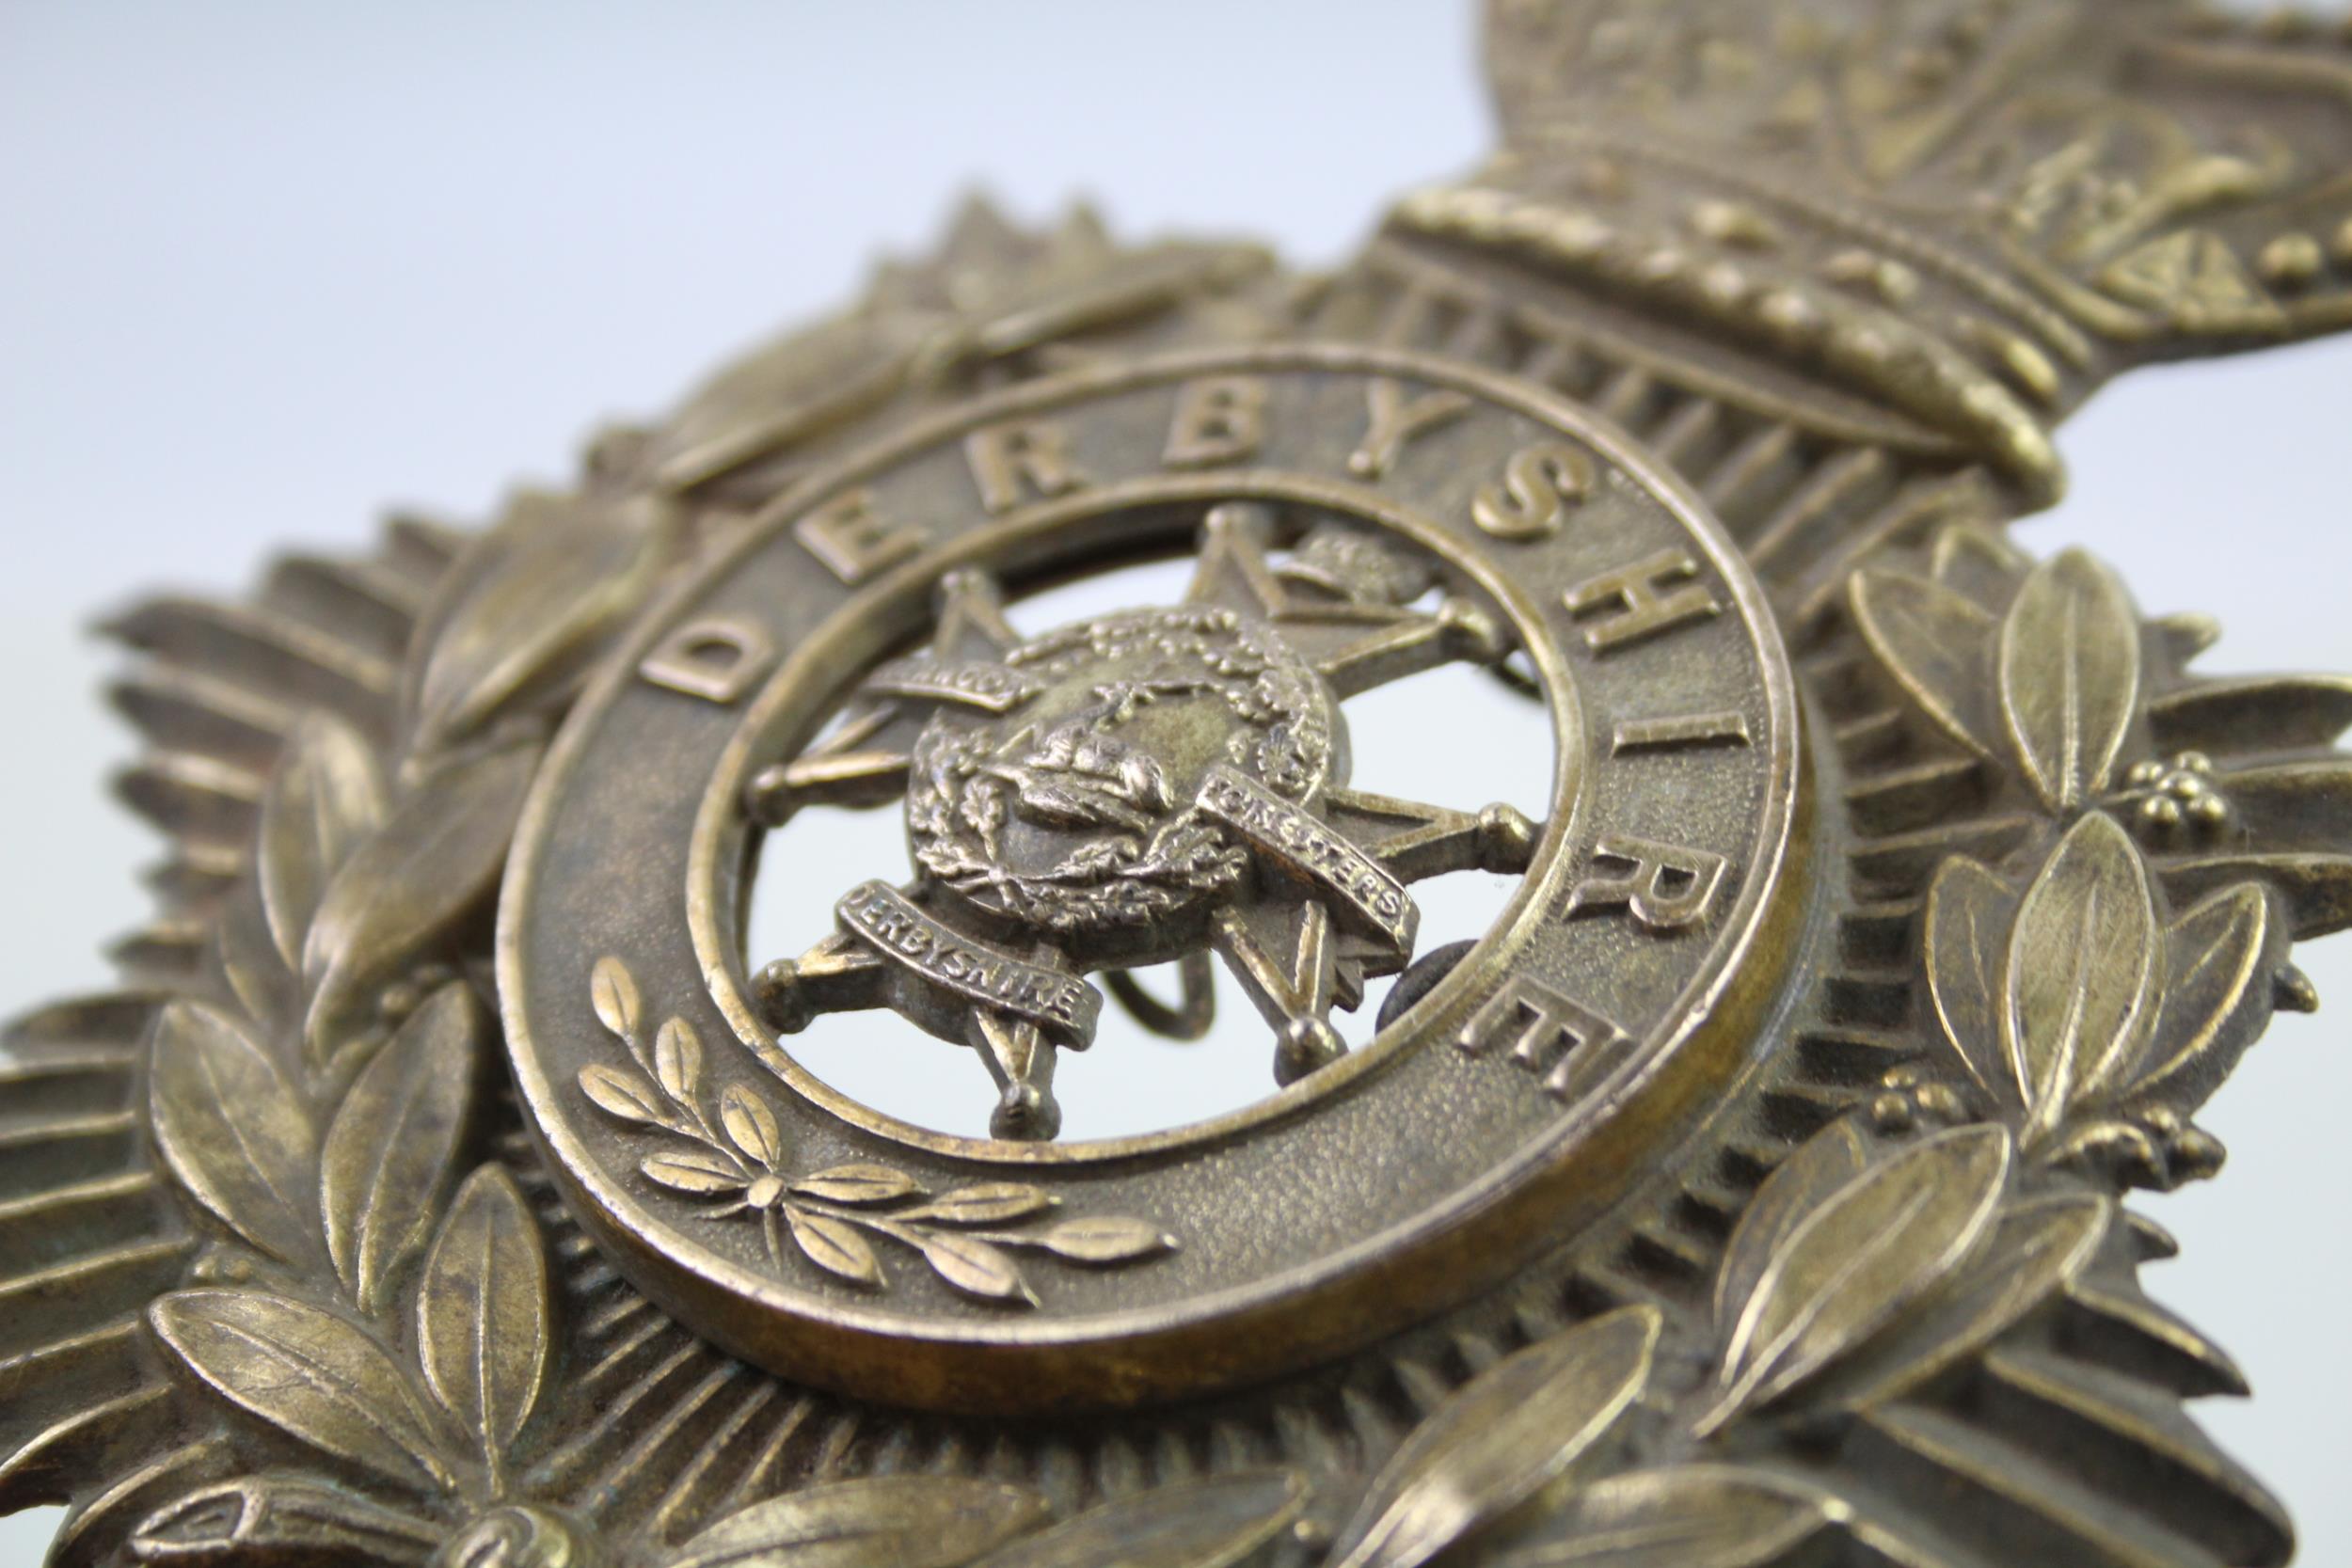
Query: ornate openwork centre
1160, 784
1141, 788
1091, 810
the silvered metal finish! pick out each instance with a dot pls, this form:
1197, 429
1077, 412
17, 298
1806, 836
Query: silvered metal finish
444, 1187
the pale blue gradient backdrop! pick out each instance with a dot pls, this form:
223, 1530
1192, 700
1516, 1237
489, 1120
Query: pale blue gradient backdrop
266, 268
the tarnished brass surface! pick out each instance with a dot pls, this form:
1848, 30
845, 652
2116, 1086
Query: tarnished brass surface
445, 1187
1168, 782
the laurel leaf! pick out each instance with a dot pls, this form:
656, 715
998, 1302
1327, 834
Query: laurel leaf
1691, 1517
2037, 1250
2252, 713
1876, 1248
231, 1129
436, 863
1820, 1167
834, 1246
2292, 799
677, 1060
1505, 1435
857, 1185
1202, 1524
2083, 973
2314, 887
751, 1125
325, 799
1935, 643
621, 1093
789, 391
308, 1373
2069, 674
1977, 558
704, 1173
257, 975
1104, 1239
483, 1330
1969, 911
984, 1203
976, 1267
613, 991
393, 1140
524, 607
2224, 956
266, 1519
915, 1521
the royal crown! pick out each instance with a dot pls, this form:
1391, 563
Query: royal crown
1977, 211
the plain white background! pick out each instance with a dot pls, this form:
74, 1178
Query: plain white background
266, 268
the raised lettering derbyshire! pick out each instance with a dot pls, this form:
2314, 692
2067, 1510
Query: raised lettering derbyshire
717, 659
1220, 420
1016, 464
1549, 1035
1063, 1005
853, 539
1170, 784
1634, 604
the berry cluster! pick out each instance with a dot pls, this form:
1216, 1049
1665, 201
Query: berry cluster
2177, 799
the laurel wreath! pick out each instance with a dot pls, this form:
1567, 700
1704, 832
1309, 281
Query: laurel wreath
831, 1216
956, 810
1155, 855
394, 1318
360, 1299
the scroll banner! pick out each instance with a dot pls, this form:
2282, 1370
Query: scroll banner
1363, 895
989, 687
1058, 1003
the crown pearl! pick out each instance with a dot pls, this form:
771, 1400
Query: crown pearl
2291, 262
1791, 317
2343, 245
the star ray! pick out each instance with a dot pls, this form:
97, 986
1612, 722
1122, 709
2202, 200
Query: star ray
1417, 841
838, 975
865, 763
1021, 1060
1357, 640
1286, 959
